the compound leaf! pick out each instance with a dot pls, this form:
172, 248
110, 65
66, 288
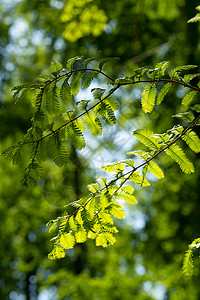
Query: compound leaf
148, 97
177, 154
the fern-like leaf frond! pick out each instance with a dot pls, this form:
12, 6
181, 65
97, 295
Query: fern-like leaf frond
189, 97
146, 137
148, 98
76, 83
93, 123
174, 73
163, 92
192, 140
155, 169
51, 99
65, 91
177, 154
188, 264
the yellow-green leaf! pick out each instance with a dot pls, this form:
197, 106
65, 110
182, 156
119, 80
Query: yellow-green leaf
163, 92
81, 235
72, 224
105, 239
192, 141
146, 137
118, 212
53, 226
67, 241
148, 97
90, 207
78, 217
56, 253
188, 97
179, 156
93, 123
137, 178
105, 217
93, 188
155, 169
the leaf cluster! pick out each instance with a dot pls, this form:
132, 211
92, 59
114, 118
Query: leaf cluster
59, 119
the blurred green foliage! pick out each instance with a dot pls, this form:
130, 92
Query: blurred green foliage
146, 261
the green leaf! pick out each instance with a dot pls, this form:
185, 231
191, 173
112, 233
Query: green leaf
109, 117
76, 83
65, 91
176, 71
40, 119
117, 211
97, 93
105, 239
42, 152
17, 156
155, 169
93, 188
139, 153
56, 67
102, 181
153, 73
130, 199
187, 78
186, 116
104, 219
112, 102
127, 189
51, 99
33, 172
177, 154
38, 99
71, 61
67, 241
188, 264
75, 135
63, 224
52, 227
145, 136
192, 140
114, 167
90, 207
196, 108
162, 66
83, 104
20, 91
104, 200
195, 19
137, 178
188, 98
56, 253
88, 77
125, 193
163, 92
79, 218
88, 219
56, 151
106, 112
81, 235
148, 97
37, 132
72, 224
92, 123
